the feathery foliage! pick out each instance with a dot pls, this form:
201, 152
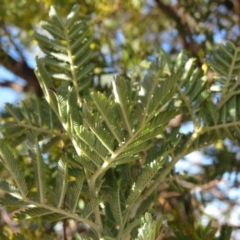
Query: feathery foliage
98, 157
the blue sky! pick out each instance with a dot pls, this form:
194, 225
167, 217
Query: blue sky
7, 94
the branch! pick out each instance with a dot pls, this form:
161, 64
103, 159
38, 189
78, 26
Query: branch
8, 34
13, 85
22, 70
182, 27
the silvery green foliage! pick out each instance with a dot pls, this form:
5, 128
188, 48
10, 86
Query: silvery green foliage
148, 228
115, 147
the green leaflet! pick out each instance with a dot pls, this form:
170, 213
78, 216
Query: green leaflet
10, 201
52, 29
46, 42
72, 17
55, 17
11, 164
46, 83
227, 60
5, 186
191, 88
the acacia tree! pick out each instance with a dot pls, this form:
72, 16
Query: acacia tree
99, 157
133, 28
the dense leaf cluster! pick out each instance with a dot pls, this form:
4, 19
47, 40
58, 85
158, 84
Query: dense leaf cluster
111, 149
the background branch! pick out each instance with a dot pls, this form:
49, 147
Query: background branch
182, 27
22, 70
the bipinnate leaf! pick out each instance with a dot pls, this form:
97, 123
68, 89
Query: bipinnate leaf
106, 149
114, 201
38, 164
12, 166
148, 172
67, 52
74, 190
61, 181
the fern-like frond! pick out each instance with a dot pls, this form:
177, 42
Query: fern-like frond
32, 212
46, 84
157, 89
220, 113
94, 122
10, 201
121, 91
91, 141
62, 181
109, 113
107, 149
148, 228
191, 90
9, 188
74, 191
67, 51
14, 112
40, 212
226, 62
38, 164
114, 201
90, 206
114, 115
86, 163
11, 164
35, 115
148, 172
88, 153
